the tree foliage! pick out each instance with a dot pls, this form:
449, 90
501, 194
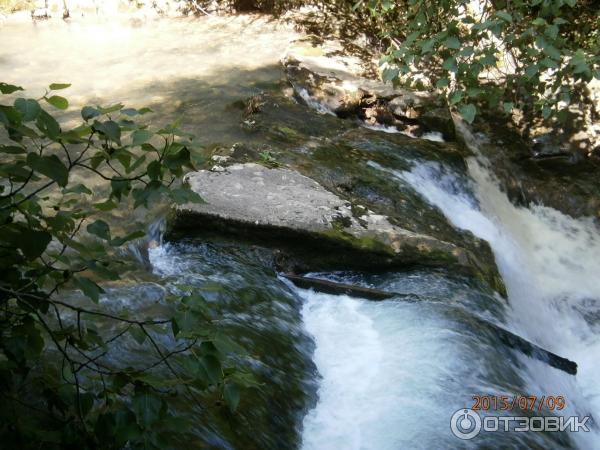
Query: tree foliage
58, 388
534, 55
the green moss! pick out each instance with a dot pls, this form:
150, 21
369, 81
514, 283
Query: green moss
363, 243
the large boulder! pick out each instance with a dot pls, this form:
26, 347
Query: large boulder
322, 230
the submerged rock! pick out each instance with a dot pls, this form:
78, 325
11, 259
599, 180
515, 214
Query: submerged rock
326, 231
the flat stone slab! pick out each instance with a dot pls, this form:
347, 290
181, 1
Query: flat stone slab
257, 195
253, 196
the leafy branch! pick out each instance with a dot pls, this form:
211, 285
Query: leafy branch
55, 364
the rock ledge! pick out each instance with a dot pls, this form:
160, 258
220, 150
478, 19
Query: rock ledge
282, 203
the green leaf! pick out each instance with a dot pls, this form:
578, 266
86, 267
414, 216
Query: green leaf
25, 131
138, 334
119, 188
57, 101
468, 112
60, 222
507, 106
551, 31
77, 189
450, 64
9, 88
50, 166
138, 162
48, 125
105, 206
29, 108
33, 242
87, 112
109, 109
101, 270
532, 70
212, 365
140, 136
451, 42
225, 345
124, 157
154, 170
146, 408
185, 321
144, 110
110, 129
455, 97
89, 288
129, 112
59, 86
185, 195
442, 83
550, 63
389, 74
118, 241
427, 46
231, 393
474, 92
504, 16
546, 112
99, 228
551, 51
86, 400
467, 51
152, 191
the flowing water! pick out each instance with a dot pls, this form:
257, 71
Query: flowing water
549, 263
337, 372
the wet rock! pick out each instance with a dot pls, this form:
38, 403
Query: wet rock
283, 205
326, 78
541, 174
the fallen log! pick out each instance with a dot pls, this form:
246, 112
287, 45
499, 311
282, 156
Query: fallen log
533, 351
331, 287
506, 337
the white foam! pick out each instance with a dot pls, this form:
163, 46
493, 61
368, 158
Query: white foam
314, 103
381, 364
550, 265
435, 136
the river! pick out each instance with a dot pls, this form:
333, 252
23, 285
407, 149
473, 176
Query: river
337, 372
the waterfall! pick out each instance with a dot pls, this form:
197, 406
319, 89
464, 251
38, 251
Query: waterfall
387, 382
392, 371
550, 264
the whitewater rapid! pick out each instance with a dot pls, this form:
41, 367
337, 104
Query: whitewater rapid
550, 265
377, 357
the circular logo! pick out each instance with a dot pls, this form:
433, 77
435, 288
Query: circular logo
465, 424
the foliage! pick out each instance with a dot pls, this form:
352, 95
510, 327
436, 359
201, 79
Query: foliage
58, 387
267, 158
534, 55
